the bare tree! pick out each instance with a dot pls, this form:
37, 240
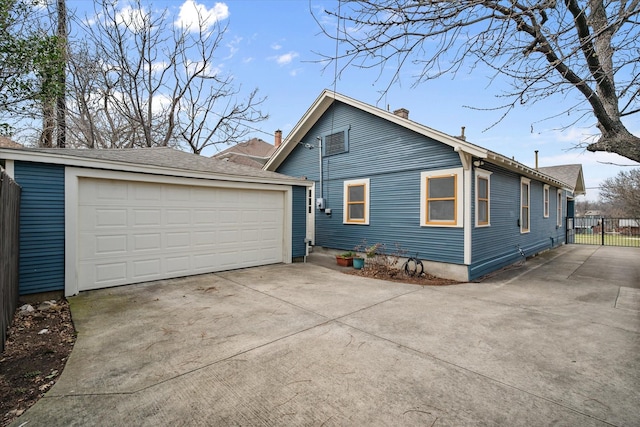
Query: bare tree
623, 192
140, 80
546, 47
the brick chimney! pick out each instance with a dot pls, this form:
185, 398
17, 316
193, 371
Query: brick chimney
402, 112
278, 138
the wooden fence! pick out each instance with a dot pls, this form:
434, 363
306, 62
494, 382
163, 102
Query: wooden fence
9, 245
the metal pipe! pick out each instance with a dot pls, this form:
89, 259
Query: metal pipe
321, 172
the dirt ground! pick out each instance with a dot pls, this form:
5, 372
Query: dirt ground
37, 348
384, 272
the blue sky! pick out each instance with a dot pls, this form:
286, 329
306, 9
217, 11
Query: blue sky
270, 45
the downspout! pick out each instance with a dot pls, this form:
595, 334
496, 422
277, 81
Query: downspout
321, 171
466, 160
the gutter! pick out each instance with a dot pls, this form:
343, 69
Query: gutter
66, 160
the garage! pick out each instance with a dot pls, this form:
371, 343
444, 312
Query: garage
93, 219
131, 232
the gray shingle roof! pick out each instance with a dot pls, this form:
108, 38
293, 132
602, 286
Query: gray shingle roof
163, 157
8, 143
569, 174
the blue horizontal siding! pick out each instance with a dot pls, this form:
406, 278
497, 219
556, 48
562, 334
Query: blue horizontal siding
496, 246
41, 227
392, 157
299, 222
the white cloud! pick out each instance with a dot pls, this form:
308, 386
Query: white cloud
276, 46
295, 72
134, 19
159, 66
286, 58
233, 46
192, 14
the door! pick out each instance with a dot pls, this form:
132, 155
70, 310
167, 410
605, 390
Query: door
131, 232
311, 214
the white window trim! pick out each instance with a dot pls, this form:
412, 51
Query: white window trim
559, 209
481, 173
345, 199
528, 182
546, 201
459, 196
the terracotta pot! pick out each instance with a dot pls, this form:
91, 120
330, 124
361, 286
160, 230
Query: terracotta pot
344, 261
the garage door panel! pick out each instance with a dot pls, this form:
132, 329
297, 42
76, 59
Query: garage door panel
104, 217
130, 232
147, 192
178, 217
146, 217
143, 269
178, 240
109, 190
205, 238
109, 272
107, 245
205, 216
178, 264
147, 242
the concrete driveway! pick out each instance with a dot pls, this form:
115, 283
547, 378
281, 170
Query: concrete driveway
556, 342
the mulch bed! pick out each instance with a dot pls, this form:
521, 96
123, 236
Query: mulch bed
383, 272
37, 348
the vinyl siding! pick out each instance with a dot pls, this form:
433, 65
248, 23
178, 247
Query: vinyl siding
496, 246
392, 157
299, 222
41, 227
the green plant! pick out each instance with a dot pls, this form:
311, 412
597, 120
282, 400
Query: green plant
32, 374
347, 255
372, 250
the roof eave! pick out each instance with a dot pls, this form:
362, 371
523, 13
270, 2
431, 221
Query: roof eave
67, 160
324, 101
518, 167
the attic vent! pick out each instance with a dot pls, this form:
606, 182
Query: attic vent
335, 143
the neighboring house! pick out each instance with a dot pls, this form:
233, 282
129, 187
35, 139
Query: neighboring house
100, 218
630, 227
8, 143
254, 152
464, 210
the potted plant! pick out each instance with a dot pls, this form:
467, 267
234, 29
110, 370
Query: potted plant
358, 262
345, 259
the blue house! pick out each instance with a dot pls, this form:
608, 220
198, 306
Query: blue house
464, 210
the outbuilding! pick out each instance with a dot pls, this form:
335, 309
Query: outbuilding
99, 218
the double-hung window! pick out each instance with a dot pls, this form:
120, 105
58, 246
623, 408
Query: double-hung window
525, 200
546, 201
559, 209
483, 196
441, 195
356, 202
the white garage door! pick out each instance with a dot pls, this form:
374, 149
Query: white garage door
131, 232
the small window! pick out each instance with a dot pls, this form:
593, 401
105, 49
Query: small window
525, 215
546, 201
356, 202
483, 192
559, 208
336, 142
441, 198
